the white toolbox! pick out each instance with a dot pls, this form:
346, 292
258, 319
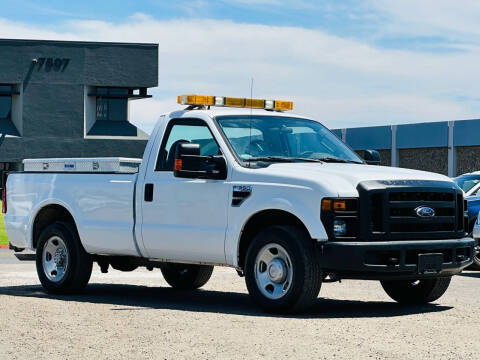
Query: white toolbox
82, 165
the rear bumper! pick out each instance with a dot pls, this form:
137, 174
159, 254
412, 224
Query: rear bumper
393, 259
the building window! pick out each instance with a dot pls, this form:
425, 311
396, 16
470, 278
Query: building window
106, 111
112, 104
5, 102
10, 110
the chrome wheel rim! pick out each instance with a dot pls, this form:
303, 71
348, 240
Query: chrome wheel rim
273, 271
55, 259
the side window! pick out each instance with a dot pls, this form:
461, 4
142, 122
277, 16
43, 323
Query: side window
196, 133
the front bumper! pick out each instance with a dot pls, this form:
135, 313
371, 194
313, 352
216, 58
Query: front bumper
385, 260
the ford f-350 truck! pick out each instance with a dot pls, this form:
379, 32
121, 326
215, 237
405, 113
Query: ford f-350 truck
277, 197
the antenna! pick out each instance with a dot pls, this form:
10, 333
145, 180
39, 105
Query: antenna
251, 108
251, 91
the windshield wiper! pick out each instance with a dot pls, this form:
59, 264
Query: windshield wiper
338, 160
300, 159
308, 159
281, 159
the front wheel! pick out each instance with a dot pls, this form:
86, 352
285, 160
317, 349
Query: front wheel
282, 273
186, 276
416, 292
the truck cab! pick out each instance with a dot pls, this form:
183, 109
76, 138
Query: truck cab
276, 196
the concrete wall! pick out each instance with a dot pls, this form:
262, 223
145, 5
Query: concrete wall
385, 157
427, 159
52, 94
468, 159
376, 138
449, 148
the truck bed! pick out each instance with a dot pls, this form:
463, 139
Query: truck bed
102, 205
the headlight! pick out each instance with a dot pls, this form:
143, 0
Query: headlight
340, 218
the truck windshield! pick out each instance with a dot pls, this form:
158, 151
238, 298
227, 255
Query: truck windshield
467, 182
283, 139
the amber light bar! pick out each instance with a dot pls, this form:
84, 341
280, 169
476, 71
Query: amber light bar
209, 100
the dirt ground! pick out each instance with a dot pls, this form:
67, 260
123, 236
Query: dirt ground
137, 316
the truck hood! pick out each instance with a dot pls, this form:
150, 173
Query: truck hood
343, 178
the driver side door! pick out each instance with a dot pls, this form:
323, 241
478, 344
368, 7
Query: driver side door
185, 219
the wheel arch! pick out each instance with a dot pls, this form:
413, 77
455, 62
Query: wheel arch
260, 220
45, 216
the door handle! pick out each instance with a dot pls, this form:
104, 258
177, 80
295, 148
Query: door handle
148, 193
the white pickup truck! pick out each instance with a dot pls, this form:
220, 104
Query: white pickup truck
277, 197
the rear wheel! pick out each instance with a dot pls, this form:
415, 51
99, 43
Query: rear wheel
186, 276
281, 271
476, 261
416, 292
62, 263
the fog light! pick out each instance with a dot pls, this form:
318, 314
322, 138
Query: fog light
339, 228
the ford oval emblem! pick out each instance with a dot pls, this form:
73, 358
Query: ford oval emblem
424, 211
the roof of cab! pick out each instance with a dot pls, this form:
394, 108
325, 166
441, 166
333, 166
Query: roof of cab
225, 111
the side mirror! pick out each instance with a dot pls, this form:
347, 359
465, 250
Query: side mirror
190, 164
371, 157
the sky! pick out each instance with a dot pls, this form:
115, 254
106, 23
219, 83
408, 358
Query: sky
345, 63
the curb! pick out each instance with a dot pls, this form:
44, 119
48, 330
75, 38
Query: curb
4, 246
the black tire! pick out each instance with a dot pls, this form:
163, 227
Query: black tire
476, 263
416, 292
79, 269
186, 276
306, 278
476, 257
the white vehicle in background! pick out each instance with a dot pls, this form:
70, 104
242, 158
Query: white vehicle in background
275, 196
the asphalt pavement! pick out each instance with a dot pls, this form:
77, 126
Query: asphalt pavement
137, 316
